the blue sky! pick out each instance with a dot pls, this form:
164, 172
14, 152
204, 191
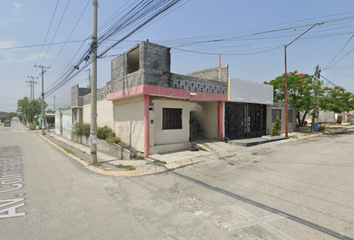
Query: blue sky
185, 29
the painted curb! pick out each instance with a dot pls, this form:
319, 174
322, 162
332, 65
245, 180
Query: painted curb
158, 169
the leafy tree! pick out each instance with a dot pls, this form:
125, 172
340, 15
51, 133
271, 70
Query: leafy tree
305, 95
10, 115
28, 109
336, 99
22, 108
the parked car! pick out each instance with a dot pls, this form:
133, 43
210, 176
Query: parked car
7, 123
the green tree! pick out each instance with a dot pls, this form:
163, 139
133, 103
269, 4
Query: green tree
10, 115
28, 109
305, 95
22, 108
336, 99
276, 127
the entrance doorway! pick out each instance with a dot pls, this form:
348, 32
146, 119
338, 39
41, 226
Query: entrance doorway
244, 120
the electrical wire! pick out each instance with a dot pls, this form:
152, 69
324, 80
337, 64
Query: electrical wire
72, 31
45, 39
136, 18
39, 45
228, 54
56, 32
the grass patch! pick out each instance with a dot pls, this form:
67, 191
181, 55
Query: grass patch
158, 161
68, 151
293, 137
97, 164
127, 167
140, 158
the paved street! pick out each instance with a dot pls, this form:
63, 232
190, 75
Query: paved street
294, 189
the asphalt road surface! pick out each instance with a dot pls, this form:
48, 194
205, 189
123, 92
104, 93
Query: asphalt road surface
282, 190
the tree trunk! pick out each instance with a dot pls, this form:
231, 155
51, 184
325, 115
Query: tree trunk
303, 119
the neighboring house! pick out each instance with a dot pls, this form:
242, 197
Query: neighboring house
154, 110
64, 123
278, 110
328, 117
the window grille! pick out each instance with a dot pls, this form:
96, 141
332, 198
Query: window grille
171, 118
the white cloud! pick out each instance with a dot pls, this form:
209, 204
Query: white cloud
7, 44
15, 58
17, 5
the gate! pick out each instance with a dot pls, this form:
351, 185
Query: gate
244, 120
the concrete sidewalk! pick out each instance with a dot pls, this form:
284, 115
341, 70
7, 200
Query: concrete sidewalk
156, 163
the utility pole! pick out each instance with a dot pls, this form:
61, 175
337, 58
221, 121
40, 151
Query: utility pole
43, 113
54, 103
32, 82
315, 109
93, 144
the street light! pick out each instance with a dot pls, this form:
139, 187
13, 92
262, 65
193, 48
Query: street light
286, 77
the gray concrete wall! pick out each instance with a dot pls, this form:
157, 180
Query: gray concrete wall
190, 83
155, 57
220, 73
77, 94
281, 106
63, 123
112, 149
155, 70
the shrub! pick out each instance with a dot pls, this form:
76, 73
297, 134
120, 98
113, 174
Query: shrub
113, 139
105, 132
81, 129
321, 128
276, 127
32, 126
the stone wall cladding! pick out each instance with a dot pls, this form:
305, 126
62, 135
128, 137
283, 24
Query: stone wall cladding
213, 73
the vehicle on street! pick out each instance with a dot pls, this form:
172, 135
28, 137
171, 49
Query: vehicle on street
7, 123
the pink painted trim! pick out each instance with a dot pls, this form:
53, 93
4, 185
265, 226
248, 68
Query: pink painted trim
162, 91
146, 125
220, 120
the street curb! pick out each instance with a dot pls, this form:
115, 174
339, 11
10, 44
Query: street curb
159, 169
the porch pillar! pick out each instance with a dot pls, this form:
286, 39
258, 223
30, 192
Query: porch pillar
146, 125
220, 120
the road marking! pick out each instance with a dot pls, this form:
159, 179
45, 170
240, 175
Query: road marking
262, 221
10, 180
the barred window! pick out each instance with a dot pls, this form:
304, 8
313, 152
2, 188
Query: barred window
172, 118
290, 115
276, 113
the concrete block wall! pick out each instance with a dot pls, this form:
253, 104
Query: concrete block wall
155, 70
77, 94
130, 80
155, 57
118, 70
189, 83
220, 73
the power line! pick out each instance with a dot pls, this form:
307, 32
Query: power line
139, 16
56, 32
45, 39
39, 45
72, 31
227, 54
339, 51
